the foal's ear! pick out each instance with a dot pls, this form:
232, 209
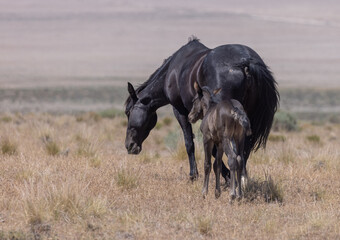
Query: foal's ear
197, 88
132, 92
217, 91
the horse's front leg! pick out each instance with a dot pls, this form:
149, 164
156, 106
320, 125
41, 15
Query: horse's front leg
189, 142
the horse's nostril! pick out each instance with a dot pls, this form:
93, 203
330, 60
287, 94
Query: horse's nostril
130, 146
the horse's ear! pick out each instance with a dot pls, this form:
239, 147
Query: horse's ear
217, 91
132, 92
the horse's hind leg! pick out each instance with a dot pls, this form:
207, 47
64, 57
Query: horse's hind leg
208, 144
189, 142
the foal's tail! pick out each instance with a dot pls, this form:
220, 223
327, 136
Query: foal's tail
241, 117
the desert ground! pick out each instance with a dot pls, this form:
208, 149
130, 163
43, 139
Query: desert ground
69, 177
64, 170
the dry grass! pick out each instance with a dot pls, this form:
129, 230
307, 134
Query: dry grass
98, 191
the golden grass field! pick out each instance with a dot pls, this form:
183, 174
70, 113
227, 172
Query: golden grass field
70, 177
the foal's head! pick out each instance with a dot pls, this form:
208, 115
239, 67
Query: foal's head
203, 99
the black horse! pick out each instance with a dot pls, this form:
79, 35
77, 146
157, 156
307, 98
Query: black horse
237, 69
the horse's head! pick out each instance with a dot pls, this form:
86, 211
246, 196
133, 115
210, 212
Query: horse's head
141, 119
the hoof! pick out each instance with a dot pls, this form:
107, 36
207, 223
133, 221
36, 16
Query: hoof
217, 193
239, 197
204, 193
244, 182
193, 177
232, 196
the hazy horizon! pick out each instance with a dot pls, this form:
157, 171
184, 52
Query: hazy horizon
46, 42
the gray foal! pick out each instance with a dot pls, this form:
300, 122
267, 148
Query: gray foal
225, 125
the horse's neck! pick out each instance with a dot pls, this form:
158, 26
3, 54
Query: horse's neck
155, 91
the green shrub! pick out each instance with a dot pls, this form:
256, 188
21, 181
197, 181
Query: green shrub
171, 140
284, 121
334, 118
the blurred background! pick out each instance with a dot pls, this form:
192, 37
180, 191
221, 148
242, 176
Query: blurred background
70, 56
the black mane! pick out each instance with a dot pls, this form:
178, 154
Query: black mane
159, 72
162, 70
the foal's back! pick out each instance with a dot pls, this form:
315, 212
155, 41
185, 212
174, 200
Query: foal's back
221, 120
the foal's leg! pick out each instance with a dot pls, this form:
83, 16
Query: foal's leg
208, 145
232, 162
244, 175
224, 171
239, 172
189, 142
218, 159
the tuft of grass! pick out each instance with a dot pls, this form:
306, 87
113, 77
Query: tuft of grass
204, 225
85, 148
180, 153
97, 207
52, 148
111, 113
167, 121
8, 147
126, 180
267, 190
95, 116
145, 158
158, 126
286, 156
313, 139
317, 194
124, 123
6, 119
14, 235
24, 175
277, 138
95, 162
80, 118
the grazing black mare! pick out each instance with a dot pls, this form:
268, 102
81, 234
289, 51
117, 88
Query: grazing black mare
236, 69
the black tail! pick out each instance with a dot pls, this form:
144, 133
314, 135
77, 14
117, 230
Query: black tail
263, 88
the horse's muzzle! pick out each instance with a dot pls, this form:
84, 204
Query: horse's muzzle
133, 148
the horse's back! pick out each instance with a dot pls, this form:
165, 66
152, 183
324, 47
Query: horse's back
182, 73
